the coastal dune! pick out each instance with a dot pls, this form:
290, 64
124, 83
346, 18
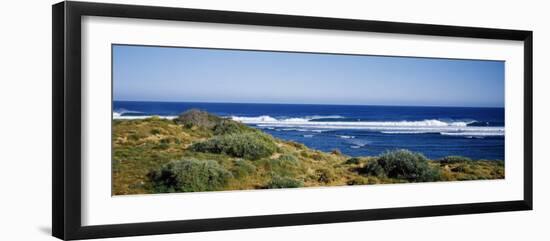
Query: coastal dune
198, 151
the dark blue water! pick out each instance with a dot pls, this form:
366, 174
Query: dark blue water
436, 132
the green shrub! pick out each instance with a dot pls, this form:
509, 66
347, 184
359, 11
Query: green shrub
285, 165
454, 159
195, 117
284, 182
253, 145
403, 164
375, 169
225, 127
189, 176
243, 168
353, 161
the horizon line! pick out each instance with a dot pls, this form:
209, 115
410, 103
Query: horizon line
256, 103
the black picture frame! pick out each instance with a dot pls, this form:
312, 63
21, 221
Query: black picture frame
66, 76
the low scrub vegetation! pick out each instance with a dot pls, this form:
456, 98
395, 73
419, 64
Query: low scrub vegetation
225, 127
243, 168
199, 152
284, 182
403, 164
253, 145
471, 170
353, 161
198, 118
454, 159
285, 160
190, 176
284, 165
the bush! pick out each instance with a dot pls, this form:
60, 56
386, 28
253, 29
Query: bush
230, 127
403, 164
189, 176
375, 169
252, 145
243, 168
285, 165
454, 159
284, 182
353, 161
195, 117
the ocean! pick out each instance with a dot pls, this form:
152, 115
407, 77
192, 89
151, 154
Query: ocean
356, 130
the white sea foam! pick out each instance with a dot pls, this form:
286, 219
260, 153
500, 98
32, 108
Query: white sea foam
121, 112
308, 124
295, 129
269, 119
142, 117
324, 117
357, 145
258, 119
458, 128
318, 131
472, 133
359, 142
404, 132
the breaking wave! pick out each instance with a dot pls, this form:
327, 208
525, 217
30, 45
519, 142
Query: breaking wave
133, 115
451, 127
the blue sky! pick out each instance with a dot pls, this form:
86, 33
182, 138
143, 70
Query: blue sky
143, 73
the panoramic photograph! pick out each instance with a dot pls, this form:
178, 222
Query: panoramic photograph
199, 119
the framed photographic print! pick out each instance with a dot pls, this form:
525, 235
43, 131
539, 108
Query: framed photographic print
170, 120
